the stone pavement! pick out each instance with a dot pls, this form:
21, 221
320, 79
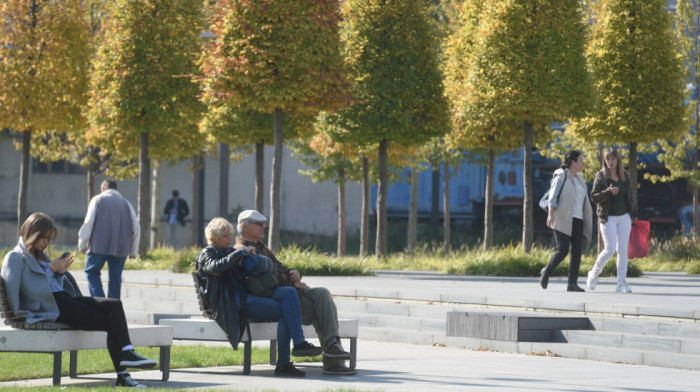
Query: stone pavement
406, 367
384, 366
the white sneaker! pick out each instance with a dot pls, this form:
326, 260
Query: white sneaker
623, 287
592, 281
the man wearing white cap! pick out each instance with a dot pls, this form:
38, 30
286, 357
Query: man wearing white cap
317, 306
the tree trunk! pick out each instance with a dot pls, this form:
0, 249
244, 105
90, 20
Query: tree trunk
341, 212
273, 241
633, 171
93, 158
224, 158
488, 202
364, 220
601, 158
696, 191
155, 206
446, 246
527, 188
412, 236
259, 177
435, 206
23, 179
144, 193
198, 201
383, 177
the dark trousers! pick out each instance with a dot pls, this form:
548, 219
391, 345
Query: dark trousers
96, 314
563, 244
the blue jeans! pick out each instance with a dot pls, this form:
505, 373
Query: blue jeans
93, 266
284, 307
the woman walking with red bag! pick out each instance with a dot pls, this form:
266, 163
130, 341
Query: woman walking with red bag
617, 212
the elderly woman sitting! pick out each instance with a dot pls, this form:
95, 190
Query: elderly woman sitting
222, 269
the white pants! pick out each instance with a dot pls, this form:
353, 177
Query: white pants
616, 236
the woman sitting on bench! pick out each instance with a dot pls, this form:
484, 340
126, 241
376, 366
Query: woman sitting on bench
221, 268
34, 286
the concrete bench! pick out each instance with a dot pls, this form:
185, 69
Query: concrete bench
54, 338
208, 330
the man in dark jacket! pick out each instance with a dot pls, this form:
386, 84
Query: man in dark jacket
176, 210
317, 305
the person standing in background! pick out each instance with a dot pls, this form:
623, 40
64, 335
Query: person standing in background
176, 210
109, 234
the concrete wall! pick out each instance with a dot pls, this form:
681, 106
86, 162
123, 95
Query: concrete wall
306, 206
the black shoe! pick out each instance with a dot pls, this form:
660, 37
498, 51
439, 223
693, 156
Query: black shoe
125, 380
132, 359
288, 370
336, 351
574, 287
544, 278
336, 367
306, 349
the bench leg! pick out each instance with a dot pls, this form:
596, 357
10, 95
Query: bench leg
57, 368
273, 352
246, 357
73, 368
353, 352
164, 360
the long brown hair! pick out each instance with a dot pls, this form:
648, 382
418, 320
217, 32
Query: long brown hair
38, 225
611, 152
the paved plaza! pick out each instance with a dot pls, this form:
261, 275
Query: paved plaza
385, 366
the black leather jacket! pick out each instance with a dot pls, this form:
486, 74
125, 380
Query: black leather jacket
220, 272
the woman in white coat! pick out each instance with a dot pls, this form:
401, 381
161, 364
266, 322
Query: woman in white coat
570, 216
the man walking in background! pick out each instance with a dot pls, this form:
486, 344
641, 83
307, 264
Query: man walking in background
109, 234
176, 210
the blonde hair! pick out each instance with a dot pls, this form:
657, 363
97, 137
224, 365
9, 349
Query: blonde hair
37, 226
611, 152
216, 228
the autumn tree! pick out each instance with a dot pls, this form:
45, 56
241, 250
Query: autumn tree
680, 156
43, 68
143, 102
527, 66
276, 57
638, 74
391, 50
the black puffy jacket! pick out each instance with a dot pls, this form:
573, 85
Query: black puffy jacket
220, 272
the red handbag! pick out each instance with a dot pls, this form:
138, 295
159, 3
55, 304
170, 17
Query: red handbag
639, 240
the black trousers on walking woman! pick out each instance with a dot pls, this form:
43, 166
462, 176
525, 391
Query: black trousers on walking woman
96, 314
563, 244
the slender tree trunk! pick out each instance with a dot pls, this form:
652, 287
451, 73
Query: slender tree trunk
259, 176
92, 168
24, 178
198, 201
696, 191
446, 246
364, 220
435, 206
155, 205
488, 204
412, 236
380, 246
144, 193
527, 188
275, 212
341, 212
601, 161
224, 158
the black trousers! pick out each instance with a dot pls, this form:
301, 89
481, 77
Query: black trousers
96, 314
563, 244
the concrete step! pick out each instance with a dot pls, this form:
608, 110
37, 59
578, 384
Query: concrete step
583, 351
392, 322
400, 335
633, 341
647, 326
